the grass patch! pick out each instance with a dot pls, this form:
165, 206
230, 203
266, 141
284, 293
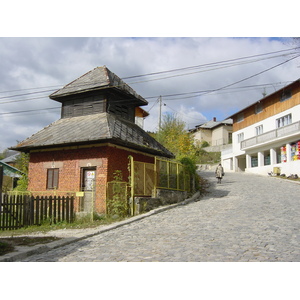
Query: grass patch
5, 247
8, 244
9, 239
81, 223
208, 157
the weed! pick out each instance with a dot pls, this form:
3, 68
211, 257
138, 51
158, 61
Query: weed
5, 248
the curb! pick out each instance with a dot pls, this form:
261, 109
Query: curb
38, 249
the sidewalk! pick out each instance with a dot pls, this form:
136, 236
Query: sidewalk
69, 236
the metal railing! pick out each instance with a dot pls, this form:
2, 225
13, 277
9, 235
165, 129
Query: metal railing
271, 135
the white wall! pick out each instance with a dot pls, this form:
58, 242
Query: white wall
292, 167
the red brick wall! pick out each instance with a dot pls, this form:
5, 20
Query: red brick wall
108, 159
118, 160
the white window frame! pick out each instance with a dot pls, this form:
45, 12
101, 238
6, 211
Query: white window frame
259, 130
240, 137
284, 121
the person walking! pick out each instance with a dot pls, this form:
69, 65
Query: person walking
219, 173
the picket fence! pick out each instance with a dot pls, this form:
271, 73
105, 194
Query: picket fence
17, 211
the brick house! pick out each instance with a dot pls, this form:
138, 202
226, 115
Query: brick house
93, 138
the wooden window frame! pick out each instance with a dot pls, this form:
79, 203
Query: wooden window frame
52, 178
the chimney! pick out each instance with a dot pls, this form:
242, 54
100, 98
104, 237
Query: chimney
215, 119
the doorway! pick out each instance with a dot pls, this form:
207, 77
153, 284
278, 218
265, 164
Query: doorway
88, 186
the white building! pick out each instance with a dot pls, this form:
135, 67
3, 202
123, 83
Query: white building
215, 133
266, 135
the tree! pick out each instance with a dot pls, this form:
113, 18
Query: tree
180, 142
22, 163
176, 138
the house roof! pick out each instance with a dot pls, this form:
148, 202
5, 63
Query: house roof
97, 79
10, 171
90, 129
212, 124
263, 99
11, 158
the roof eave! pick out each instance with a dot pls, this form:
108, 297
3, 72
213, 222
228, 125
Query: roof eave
116, 141
263, 99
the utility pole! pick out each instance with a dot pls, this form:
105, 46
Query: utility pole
1, 181
159, 117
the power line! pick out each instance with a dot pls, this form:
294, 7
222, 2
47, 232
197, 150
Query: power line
222, 64
30, 110
195, 72
207, 92
249, 77
208, 64
187, 95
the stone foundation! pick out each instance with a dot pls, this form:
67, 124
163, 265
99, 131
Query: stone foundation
164, 197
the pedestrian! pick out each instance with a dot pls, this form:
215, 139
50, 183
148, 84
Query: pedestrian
219, 173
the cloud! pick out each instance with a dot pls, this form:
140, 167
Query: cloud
50, 63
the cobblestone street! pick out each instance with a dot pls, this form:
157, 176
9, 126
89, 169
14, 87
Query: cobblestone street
245, 218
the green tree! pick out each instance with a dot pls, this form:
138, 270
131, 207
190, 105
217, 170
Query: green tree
176, 138
22, 163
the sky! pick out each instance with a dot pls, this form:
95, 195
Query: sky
198, 78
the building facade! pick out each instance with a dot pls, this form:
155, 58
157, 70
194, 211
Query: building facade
216, 133
266, 135
94, 137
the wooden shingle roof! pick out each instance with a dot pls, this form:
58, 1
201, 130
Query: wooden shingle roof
91, 129
97, 79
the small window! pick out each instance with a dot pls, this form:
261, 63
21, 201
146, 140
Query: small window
285, 95
267, 158
258, 108
254, 161
283, 121
240, 137
240, 117
52, 179
229, 137
259, 130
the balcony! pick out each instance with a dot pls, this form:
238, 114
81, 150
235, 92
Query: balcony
272, 135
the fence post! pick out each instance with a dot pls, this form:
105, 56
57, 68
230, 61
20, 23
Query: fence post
132, 184
155, 177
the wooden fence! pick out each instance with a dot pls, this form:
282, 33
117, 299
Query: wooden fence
23, 210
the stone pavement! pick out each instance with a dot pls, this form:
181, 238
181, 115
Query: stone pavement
245, 218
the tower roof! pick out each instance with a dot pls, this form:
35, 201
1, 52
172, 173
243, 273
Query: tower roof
99, 78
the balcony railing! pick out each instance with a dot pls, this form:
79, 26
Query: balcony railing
271, 135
